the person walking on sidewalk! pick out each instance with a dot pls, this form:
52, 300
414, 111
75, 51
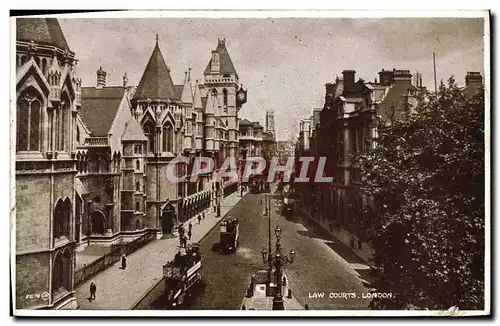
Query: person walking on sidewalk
190, 226
199, 219
190, 234
124, 261
93, 289
203, 215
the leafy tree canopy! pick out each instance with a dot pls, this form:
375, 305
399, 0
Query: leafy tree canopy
426, 176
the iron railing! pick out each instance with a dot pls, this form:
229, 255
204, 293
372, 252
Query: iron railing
102, 263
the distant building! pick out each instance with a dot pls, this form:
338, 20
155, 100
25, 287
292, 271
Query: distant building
346, 126
270, 122
251, 140
473, 83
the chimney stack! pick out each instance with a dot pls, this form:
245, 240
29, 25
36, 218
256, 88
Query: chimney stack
101, 78
386, 77
348, 78
402, 76
125, 80
473, 78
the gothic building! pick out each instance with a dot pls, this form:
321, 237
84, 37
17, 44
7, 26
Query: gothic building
46, 203
128, 136
91, 161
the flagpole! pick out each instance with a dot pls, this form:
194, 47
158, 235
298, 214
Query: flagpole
435, 80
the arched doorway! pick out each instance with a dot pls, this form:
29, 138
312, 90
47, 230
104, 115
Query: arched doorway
61, 278
167, 218
97, 222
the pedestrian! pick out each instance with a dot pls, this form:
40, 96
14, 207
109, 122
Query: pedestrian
190, 234
124, 261
199, 219
203, 215
184, 241
190, 227
93, 289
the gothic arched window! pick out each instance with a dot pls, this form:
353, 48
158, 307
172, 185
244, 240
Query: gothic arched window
224, 92
63, 123
28, 118
62, 218
137, 207
137, 165
148, 131
168, 138
137, 186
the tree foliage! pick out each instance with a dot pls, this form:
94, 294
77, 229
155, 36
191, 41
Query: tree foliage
426, 176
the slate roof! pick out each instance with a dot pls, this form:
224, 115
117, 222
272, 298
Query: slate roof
225, 62
156, 82
133, 131
45, 31
257, 125
245, 122
178, 91
99, 107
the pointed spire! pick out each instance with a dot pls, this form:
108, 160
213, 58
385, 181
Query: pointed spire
156, 38
54, 67
187, 96
209, 106
197, 97
156, 82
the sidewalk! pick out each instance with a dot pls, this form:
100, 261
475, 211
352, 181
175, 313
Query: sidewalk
120, 289
366, 252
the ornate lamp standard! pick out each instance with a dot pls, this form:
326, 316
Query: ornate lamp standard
278, 259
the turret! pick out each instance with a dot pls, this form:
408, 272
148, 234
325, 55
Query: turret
54, 79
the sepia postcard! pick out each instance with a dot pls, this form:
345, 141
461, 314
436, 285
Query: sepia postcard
251, 163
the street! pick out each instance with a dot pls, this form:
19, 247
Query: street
317, 267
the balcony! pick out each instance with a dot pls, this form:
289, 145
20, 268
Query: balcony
96, 142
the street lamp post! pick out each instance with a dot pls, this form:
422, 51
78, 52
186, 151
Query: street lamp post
278, 259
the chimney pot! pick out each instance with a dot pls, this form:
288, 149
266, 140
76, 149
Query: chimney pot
101, 78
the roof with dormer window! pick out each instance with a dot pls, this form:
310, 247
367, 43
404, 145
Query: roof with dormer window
225, 62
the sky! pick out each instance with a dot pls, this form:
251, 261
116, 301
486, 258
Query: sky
283, 62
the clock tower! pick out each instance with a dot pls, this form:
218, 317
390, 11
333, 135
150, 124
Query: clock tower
221, 81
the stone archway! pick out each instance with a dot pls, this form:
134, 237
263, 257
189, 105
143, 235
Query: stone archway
97, 223
167, 218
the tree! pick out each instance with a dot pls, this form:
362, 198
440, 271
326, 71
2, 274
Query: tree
426, 176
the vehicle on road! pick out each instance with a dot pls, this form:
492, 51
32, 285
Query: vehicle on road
289, 203
229, 234
182, 275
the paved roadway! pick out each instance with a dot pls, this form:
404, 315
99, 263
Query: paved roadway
318, 267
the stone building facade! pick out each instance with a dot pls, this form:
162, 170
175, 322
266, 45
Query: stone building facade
135, 132
91, 161
46, 204
346, 126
